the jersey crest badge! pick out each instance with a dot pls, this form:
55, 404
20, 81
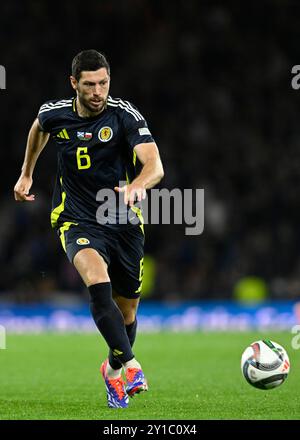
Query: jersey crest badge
84, 136
82, 241
105, 134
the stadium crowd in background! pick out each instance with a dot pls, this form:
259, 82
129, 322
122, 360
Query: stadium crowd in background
214, 85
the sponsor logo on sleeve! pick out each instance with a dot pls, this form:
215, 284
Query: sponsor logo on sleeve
144, 131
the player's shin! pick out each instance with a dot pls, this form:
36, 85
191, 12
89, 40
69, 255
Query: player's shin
109, 321
131, 329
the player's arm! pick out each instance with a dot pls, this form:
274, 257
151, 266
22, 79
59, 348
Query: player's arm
151, 173
37, 139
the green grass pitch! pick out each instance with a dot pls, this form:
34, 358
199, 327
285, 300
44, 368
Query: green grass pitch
190, 375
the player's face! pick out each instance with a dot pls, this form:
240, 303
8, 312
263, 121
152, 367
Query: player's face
92, 89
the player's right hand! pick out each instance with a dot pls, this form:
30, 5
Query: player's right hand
21, 190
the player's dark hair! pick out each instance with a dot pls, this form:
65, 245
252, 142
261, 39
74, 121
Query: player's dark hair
88, 60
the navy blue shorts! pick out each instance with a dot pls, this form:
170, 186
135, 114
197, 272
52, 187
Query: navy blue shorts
122, 250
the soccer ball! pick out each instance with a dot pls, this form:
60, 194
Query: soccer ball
265, 364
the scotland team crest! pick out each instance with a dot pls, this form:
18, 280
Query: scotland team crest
82, 241
105, 134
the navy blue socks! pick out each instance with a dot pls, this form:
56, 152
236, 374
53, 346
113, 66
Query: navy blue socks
110, 322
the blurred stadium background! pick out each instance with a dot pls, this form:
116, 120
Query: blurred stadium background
214, 82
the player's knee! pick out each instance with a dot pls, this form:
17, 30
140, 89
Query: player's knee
128, 307
91, 267
129, 319
129, 314
93, 276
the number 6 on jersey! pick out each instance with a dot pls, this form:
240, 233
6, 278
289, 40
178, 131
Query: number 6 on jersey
83, 159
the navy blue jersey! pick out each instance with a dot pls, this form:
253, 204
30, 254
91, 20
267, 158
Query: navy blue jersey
93, 154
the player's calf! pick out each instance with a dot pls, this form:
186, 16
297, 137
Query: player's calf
110, 322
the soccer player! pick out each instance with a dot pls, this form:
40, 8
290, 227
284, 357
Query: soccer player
98, 139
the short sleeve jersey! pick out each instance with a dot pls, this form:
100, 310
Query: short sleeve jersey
95, 153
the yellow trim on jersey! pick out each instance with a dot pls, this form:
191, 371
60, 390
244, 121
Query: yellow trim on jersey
134, 158
59, 209
139, 214
55, 216
141, 275
65, 227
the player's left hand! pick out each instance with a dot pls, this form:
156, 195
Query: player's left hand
132, 193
